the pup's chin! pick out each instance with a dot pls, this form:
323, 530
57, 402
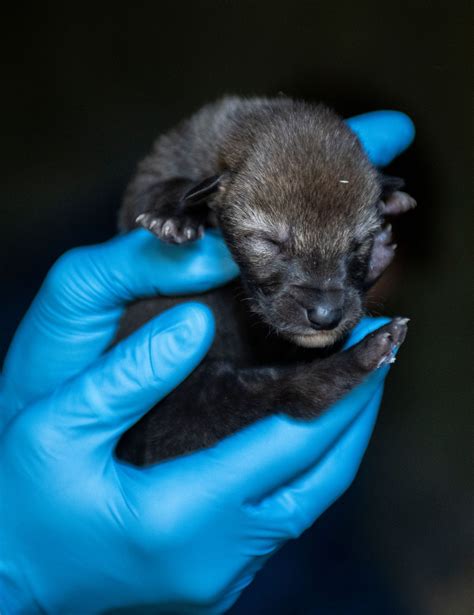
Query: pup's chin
316, 339
322, 339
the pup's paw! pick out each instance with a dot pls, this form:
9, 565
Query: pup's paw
382, 253
379, 347
178, 230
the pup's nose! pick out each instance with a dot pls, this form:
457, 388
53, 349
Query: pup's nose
324, 317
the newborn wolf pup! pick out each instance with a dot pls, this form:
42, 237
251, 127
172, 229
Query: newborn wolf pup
302, 211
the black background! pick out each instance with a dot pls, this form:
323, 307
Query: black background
85, 89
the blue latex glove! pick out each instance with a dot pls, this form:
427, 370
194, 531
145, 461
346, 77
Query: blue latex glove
83, 533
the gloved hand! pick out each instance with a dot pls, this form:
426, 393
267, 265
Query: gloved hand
81, 532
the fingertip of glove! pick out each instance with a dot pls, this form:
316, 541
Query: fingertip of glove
383, 134
400, 129
182, 338
199, 321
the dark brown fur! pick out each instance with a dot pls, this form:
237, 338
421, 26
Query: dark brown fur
302, 211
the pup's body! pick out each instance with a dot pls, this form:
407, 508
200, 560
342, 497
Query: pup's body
302, 210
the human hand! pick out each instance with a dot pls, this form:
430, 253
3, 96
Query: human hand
75, 316
82, 532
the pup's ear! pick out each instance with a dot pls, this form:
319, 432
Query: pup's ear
202, 191
394, 202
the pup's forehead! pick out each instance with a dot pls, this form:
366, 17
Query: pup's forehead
300, 180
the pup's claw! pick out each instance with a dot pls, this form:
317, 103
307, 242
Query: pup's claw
171, 230
379, 347
148, 221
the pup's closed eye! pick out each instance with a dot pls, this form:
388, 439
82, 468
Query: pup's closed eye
266, 244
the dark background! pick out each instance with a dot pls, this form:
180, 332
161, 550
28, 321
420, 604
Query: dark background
84, 92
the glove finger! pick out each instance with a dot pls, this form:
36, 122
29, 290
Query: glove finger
288, 511
291, 510
99, 405
364, 327
383, 134
75, 315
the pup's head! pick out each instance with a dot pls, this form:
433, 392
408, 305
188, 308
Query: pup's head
300, 215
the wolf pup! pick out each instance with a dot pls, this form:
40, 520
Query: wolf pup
302, 211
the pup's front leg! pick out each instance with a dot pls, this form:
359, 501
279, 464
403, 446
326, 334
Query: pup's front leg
237, 397
306, 390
